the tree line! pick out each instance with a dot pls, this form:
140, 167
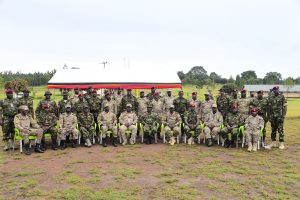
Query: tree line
199, 76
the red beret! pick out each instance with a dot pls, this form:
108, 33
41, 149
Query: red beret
94, 91
156, 93
44, 106
243, 90
81, 95
253, 109
9, 91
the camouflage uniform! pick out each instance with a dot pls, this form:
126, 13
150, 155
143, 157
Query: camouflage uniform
8, 110
62, 105
206, 109
197, 104
108, 121
129, 99
50, 103
233, 121
244, 107
262, 106
150, 122
95, 105
68, 123
118, 99
88, 96
128, 120
74, 98
157, 107
27, 102
192, 122
48, 121
223, 103
112, 104
172, 122
86, 125
168, 101
212, 125
277, 105
252, 128
28, 127
181, 106
79, 106
143, 102
233, 101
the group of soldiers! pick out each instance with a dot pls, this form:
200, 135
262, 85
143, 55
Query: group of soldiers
84, 117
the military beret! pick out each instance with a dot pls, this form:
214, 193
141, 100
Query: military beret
90, 87
44, 106
243, 90
129, 89
193, 93
9, 91
26, 90
23, 107
129, 105
77, 88
94, 91
214, 105
80, 95
47, 93
153, 87
253, 109
68, 105
156, 93
276, 88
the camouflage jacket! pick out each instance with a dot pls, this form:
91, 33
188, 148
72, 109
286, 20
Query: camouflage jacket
85, 119
223, 103
261, 105
254, 124
277, 105
8, 107
79, 106
181, 105
95, 105
25, 122
129, 99
62, 105
47, 119
173, 119
112, 104
234, 120
244, 106
51, 104
191, 117
27, 102
150, 119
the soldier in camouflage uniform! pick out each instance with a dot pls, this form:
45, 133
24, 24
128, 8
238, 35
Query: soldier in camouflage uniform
63, 102
232, 123
28, 127
191, 124
157, 105
261, 103
129, 99
88, 93
168, 101
74, 98
68, 123
150, 95
223, 103
8, 110
79, 105
172, 123
108, 101
128, 120
86, 125
244, 104
143, 102
27, 100
196, 102
206, 107
51, 104
233, 100
47, 121
95, 105
181, 104
118, 98
278, 108
253, 125
107, 121
212, 125
150, 122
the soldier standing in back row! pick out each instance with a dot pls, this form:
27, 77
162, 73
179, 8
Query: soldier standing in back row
278, 109
8, 110
206, 107
150, 95
129, 99
143, 102
223, 103
168, 101
196, 102
181, 104
27, 100
111, 103
51, 104
79, 105
74, 98
244, 105
95, 105
118, 98
63, 102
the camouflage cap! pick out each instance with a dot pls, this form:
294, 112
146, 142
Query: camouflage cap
65, 93
26, 90
86, 106
47, 93
68, 106
169, 90
23, 107
80, 95
129, 105
214, 105
105, 105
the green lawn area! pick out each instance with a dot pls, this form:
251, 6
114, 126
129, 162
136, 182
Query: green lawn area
156, 171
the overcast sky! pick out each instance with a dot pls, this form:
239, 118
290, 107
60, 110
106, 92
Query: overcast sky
225, 36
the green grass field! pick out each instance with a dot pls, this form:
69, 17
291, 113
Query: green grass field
156, 171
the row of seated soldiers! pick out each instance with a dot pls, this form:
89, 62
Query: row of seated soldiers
129, 112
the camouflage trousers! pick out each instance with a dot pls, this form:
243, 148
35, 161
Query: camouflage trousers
192, 132
252, 135
72, 132
53, 131
38, 132
212, 132
110, 127
231, 135
172, 131
150, 130
132, 128
277, 126
8, 128
87, 133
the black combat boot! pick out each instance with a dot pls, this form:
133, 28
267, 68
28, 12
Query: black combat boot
149, 139
104, 142
114, 139
54, 144
27, 149
38, 148
62, 144
209, 143
43, 145
227, 143
74, 143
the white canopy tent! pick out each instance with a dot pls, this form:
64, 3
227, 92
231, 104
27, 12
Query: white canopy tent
112, 79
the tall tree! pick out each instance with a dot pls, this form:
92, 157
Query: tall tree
180, 75
248, 76
272, 78
289, 83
